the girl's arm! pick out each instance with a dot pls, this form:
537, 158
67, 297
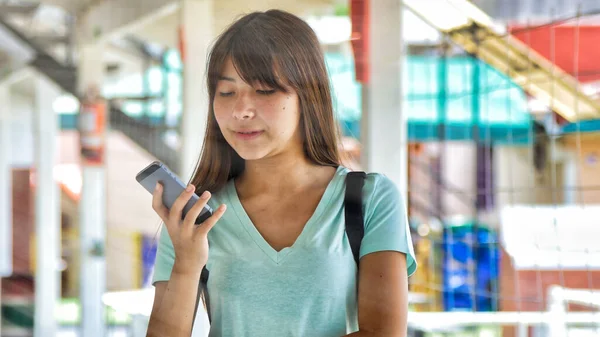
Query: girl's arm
382, 295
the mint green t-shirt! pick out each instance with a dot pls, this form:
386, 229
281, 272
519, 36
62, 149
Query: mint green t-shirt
308, 289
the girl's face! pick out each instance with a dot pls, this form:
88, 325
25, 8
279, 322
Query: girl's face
258, 122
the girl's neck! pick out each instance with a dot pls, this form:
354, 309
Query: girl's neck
279, 176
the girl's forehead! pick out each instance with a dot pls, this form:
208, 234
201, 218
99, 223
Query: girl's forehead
228, 66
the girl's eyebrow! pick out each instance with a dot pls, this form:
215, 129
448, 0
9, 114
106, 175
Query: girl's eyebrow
225, 78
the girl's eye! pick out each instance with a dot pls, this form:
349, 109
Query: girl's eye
265, 92
225, 94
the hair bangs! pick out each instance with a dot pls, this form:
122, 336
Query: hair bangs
254, 60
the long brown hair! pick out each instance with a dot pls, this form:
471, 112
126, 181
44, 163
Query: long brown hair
270, 48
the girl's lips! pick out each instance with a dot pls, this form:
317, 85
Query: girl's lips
248, 135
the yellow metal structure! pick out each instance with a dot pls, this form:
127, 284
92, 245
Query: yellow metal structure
474, 31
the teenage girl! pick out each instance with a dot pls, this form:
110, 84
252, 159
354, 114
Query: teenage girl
279, 259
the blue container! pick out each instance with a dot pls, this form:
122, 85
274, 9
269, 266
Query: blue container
470, 268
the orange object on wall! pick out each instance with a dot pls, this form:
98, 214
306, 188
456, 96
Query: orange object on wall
92, 131
181, 42
360, 41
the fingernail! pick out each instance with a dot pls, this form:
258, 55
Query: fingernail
157, 187
223, 208
190, 188
204, 195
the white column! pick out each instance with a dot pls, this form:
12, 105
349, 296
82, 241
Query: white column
197, 26
92, 229
557, 308
92, 211
47, 209
6, 236
570, 179
459, 170
383, 129
522, 330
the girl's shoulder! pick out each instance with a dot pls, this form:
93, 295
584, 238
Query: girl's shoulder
375, 184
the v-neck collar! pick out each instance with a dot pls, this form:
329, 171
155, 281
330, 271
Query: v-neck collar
279, 256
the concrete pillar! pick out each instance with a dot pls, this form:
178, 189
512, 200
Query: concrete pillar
383, 129
47, 209
197, 34
92, 211
196, 22
459, 171
6, 236
571, 179
557, 307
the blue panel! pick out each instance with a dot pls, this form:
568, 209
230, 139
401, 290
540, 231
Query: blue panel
503, 116
67, 121
419, 131
592, 125
470, 269
149, 246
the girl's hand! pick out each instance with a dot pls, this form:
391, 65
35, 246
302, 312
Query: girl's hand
190, 241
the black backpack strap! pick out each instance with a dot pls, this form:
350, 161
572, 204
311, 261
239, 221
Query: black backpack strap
355, 228
202, 294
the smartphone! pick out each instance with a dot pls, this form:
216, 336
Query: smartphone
158, 172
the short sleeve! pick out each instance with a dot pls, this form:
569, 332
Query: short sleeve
165, 257
386, 223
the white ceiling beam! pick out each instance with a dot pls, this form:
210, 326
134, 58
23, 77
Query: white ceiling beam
17, 76
12, 46
111, 19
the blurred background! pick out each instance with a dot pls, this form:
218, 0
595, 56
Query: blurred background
485, 113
